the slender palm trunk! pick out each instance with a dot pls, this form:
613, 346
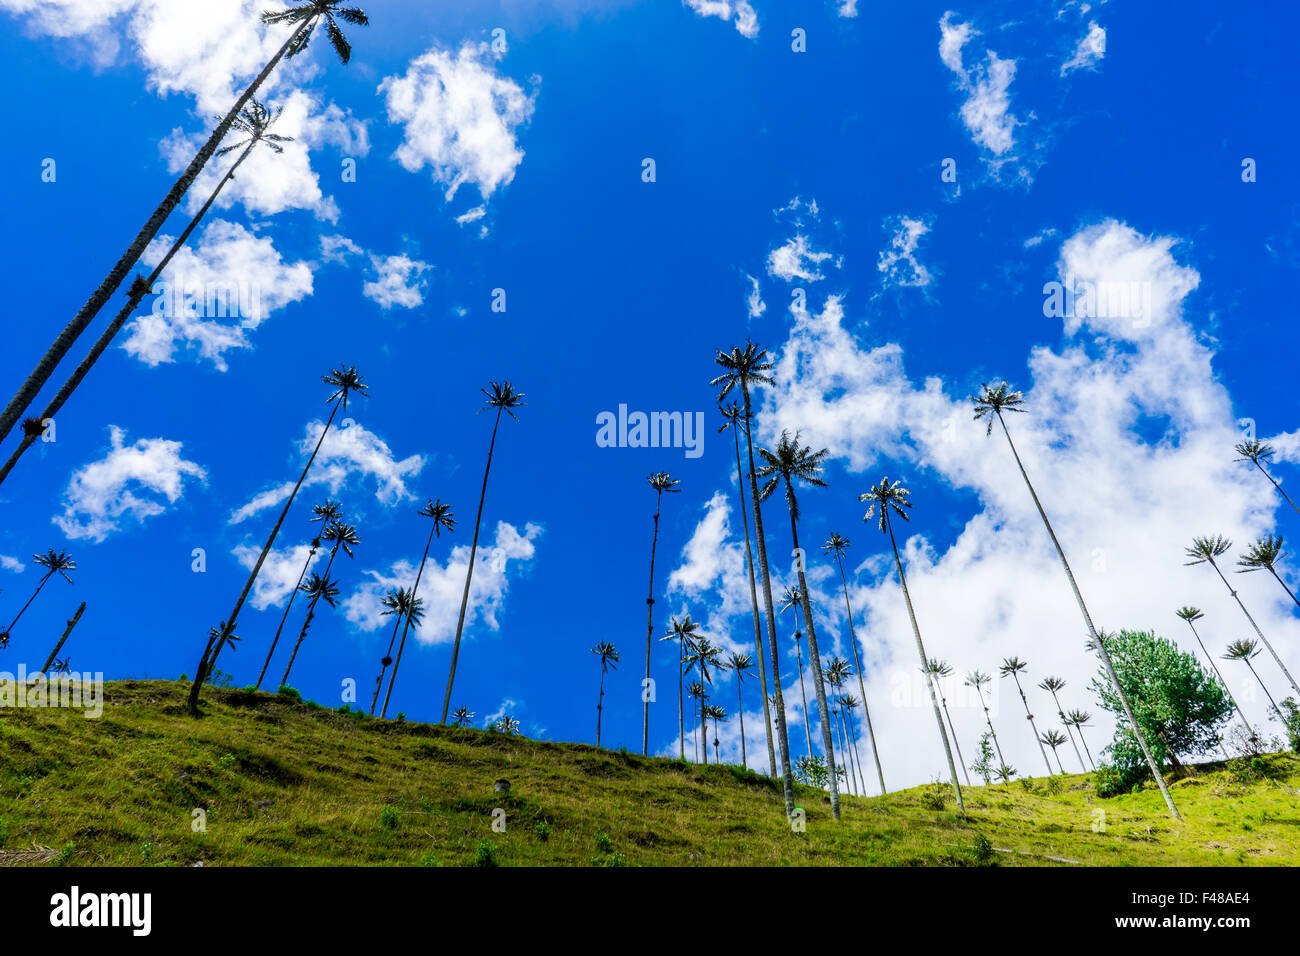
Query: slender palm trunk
846, 760
955, 742
469, 573
29, 602
862, 687
1264, 689
284, 617
740, 710
1236, 597
1058, 761
65, 339
1085, 748
782, 736
1061, 714
807, 724
600, 704
415, 595
1032, 726
1092, 632
753, 599
133, 299
311, 614
920, 649
1289, 592
853, 736
717, 757
49, 661
1209, 657
993, 733
204, 663
704, 722
649, 630
383, 664
681, 715
1274, 483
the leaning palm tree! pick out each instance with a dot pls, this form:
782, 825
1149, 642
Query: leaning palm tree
741, 664
736, 420
1191, 615
345, 382
1204, 551
994, 402
787, 463
684, 631
442, 517
1247, 650
792, 599
1053, 738
502, 397
744, 368
660, 481
1013, 667
328, 513
54, 562
254, 121
977, 680
838, 545
936, 670
305, 18
891, 498
608, 654
401, 604
1053, 685
1257, 453
461, 717
1265, 553
1078, 719
341, 537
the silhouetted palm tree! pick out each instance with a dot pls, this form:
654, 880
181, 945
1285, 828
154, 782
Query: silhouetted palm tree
341, 537
993, 402
792, 599
1012, 667
507, 725
660, 481
1191, 615
978, 679
741, 664
1246, 651
893, 497
502, 397
461, 717
54, 562
1257, 452
936, 670
1265, 553
684, 631
1053, 738
1078, 719
1052, 685
402, 604
608, 654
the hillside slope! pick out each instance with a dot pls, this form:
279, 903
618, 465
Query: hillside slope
284, 783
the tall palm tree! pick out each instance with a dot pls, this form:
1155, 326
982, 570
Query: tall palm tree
1012, 667
255, 122
400, 603
849, 704
1265, 553
1257, 453
1247, 650
1204, 551
1078, 719
660, 481
502, 397
54, 562
442, 517
1191, 615
837, 672
507, 725
608, 654
1053, 738
685, 631
741, 664
745, 368
936, 670
1053, 685
304, 17
461, 717
345, 382
704, 654
700, 696
792, 599
994, 402
837, 737
735, 420
716, 714
891, 498
838, 546
978, 679
341, 537
328, 513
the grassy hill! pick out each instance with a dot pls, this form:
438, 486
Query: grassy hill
285, 783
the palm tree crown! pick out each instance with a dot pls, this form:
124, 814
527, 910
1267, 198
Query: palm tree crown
503, 397
608, 655
442, 515
56, 562
255, 121
1190, 613
741, 367
345, 382
886, 495
1207, 549
788, 462
993, 400
1264, 553
330, 10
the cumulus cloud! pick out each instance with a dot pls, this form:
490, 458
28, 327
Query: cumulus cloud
754, 301
279, 574
847, 8
11, 564
397, 281
743, 14
986, 112
796, 259
132, 482
337, 248
898, 264
1089, 51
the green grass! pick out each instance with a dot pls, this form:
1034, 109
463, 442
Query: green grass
287, 783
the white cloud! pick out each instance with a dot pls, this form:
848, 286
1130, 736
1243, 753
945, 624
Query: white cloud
337, 248
746, 19
796, 260
279, 574
212, 293
1089, 52
986, 111
397, 282
754, 301
11, 564
459, 117
847, 8
124, 484
898, 264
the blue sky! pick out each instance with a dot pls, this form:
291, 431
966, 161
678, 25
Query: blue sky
1103, 142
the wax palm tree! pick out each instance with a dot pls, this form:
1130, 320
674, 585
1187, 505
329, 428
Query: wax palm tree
684, 631
54, 562
442, 517
716, 714
700, 697
608, 654
461, 717
345, 382
848, 704
507, 725
936, 670
1053, 685
328, 513
502, 397
891, 498
1078, 719
304, 19
1265, 553
838, 546
1013, 667
837, 737
254, 121
704, 654
838, 671
1257, 453
341, 537
400, 604
995, 402
744, 368
978, 679
1204, 551
1247, 650
1053, 738
1191, 615
741, 664
792, 599
734, 419
660, 481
